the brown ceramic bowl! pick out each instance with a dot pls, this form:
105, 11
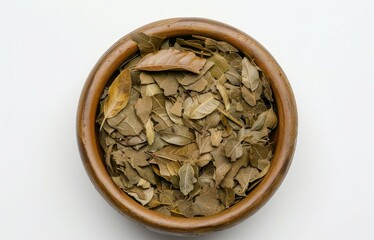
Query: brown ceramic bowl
87, 131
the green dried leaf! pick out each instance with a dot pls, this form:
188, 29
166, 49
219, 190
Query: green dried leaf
177, 135
228, 180
203, 105
258, 152
221, 163
176, 109
146, 78
204, 143
167, 81
160, 116
146, 43
220, 67
233, 149
187, 178
185, 78
177, 120
245, 176
197, 86
266, 119
225, 96
215, 137
226, 196
233, 76
254, 137
207, 203
174, 153
250, 75
143, 108
152, 89
203, 160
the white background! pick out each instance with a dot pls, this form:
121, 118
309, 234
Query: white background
47, 49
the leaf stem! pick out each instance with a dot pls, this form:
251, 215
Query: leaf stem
229, 116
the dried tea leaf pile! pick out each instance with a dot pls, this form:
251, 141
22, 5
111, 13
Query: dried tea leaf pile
186, 125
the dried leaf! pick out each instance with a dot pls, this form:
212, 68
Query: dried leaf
176, 109
226, 196
219, 68
171, 59
141, 195
225, 96
203, 160
233, 76
204, 143
173, 168
184, 207
118, 95
121, 182
126, 121
248, 96
152, 89
233, 149
245, 176
243, 161
212, 120
189, 78
207, 203
220, 45
150, 133
172, 153
163, 210
229, 116
215, 137
167, 81
250, 75
203, 105
174, 118
221, 163
147, 173
187, 178
263, 163
254, 137
146, 43
143, 108
258, 152
197, 86
143, 183
266, 119
129, 155
177, 135
162, 118
146, 78
158, 143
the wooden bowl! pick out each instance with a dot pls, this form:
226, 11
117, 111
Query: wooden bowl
92, 158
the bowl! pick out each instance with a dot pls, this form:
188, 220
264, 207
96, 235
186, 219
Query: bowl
92, 156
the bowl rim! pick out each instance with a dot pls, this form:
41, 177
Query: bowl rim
88, 140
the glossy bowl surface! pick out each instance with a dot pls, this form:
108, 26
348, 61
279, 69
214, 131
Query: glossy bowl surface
92, 158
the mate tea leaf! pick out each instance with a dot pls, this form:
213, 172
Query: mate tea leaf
187, 178
118, 95
171, 59
186, 126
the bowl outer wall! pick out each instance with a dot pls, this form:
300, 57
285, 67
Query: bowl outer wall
87, 136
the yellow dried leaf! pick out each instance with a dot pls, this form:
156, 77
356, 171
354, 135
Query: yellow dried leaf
118, 95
